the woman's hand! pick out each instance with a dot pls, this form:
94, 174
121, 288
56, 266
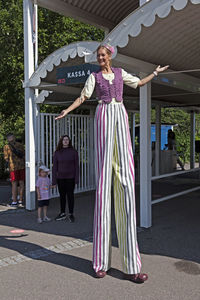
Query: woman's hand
159, 69
148, 78
73, 106
53, 186
62, 114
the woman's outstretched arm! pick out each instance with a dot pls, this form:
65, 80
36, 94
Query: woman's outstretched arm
151, 76
73, 106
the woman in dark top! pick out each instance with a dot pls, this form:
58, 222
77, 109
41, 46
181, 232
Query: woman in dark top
65, 173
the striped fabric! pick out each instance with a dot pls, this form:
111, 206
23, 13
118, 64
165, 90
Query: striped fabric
114, 152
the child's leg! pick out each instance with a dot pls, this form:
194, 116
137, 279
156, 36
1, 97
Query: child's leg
39, 212
45, 211
21, 189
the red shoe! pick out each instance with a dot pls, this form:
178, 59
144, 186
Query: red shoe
137, 278
101, 274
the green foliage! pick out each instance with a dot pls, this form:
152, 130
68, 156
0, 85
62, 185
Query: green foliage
55, 31
182, 131
181, 120
11, 61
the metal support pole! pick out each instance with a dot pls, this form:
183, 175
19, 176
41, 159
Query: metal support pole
192, 140
145, 156
143, 2
158, 140
29, 105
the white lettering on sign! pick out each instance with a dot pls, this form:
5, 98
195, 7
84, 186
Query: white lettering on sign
76, 74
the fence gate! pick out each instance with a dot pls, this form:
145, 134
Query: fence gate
80, 129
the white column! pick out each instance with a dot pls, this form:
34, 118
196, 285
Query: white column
145, 156
192, 140
37, 106
158, 140
36, 32
29, 105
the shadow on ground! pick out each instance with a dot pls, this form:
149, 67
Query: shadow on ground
176, 229
175, 232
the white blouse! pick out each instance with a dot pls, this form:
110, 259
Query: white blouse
128, 79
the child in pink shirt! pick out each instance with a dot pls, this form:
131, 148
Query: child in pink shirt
43, 186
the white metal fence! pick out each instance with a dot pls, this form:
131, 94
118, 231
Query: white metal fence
80, 130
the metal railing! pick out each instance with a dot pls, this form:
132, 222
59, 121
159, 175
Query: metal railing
80, 129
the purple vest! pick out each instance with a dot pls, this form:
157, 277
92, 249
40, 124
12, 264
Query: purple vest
106, 91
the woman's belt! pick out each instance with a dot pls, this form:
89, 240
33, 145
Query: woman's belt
114, 101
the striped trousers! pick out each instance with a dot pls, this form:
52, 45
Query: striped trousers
113, 151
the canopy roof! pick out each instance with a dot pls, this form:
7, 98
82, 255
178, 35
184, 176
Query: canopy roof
159, 32
44, 78
162, 32
101, 13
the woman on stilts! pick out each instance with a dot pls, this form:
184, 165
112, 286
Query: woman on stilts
113, 151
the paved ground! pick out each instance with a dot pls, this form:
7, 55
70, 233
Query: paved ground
53, 260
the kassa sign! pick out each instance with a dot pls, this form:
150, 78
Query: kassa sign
74, 74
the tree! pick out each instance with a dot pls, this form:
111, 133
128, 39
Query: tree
55, 31
180, 118
182, 131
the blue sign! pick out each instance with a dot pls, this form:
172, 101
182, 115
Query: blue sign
164, 134
75, 74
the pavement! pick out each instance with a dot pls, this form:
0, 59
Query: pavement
53, 260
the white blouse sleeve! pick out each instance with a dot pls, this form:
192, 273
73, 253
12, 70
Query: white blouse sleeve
130, 80
89, 87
